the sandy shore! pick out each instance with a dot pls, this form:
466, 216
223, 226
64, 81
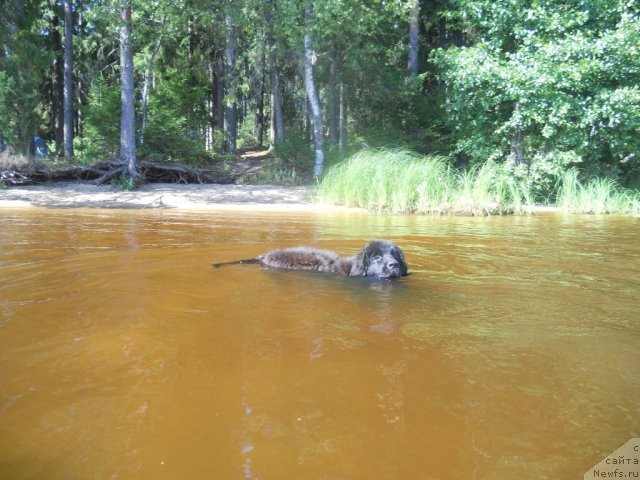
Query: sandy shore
173, 196
188, 197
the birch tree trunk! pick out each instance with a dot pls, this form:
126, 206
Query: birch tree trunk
312, 94
231, 100
277, 119
79, 89
127, 94
414, 34
209, 105
68, 80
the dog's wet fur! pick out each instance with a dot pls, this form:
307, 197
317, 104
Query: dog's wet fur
379, 258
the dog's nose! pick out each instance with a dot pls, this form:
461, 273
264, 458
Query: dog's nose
392, 264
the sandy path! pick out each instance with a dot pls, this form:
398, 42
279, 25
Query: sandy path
189, 197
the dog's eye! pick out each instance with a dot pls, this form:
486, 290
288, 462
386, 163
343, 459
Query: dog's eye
377, 258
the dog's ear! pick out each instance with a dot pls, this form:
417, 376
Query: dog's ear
399, 256
361, 262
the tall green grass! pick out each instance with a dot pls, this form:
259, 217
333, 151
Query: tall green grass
598, 195
401, 181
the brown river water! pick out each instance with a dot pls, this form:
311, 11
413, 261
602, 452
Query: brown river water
512, 350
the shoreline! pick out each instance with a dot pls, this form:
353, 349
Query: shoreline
189, 197
198, 197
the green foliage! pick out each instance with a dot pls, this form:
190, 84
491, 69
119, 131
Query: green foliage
124, 182
532, 87
294, 151
7, 90
559, 81
402, 181
169, 135
101, 139
541, 174
597, 195
167, 138
275, 173
22, 65
246, 133
380, 136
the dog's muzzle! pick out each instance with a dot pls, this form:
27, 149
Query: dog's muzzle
391, 269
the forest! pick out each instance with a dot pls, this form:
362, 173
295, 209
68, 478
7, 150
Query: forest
538, 89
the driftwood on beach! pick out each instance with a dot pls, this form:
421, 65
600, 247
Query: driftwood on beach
105, 172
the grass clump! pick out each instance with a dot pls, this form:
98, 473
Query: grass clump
401, 181
597, 195
124, 182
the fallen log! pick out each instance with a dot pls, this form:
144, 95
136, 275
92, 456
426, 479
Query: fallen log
105, 172
75, 173
110, 174
168, 172
14, 177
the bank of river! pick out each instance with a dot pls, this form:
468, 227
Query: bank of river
163, 195
159, 195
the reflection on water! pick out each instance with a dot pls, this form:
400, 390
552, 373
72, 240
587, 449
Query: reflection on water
511, 350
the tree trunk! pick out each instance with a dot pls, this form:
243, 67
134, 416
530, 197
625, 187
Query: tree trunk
220, 95
127, 93
442, 32
312, 93
332, 100
414, 33
276, 129
260, 94
68, 80
342, 137
517, 148
230, 97
457, 37
307, 121
57, 86
277, 117
146, 86
79, 85
210, 106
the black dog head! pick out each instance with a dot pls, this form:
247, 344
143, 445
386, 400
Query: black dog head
380, 258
